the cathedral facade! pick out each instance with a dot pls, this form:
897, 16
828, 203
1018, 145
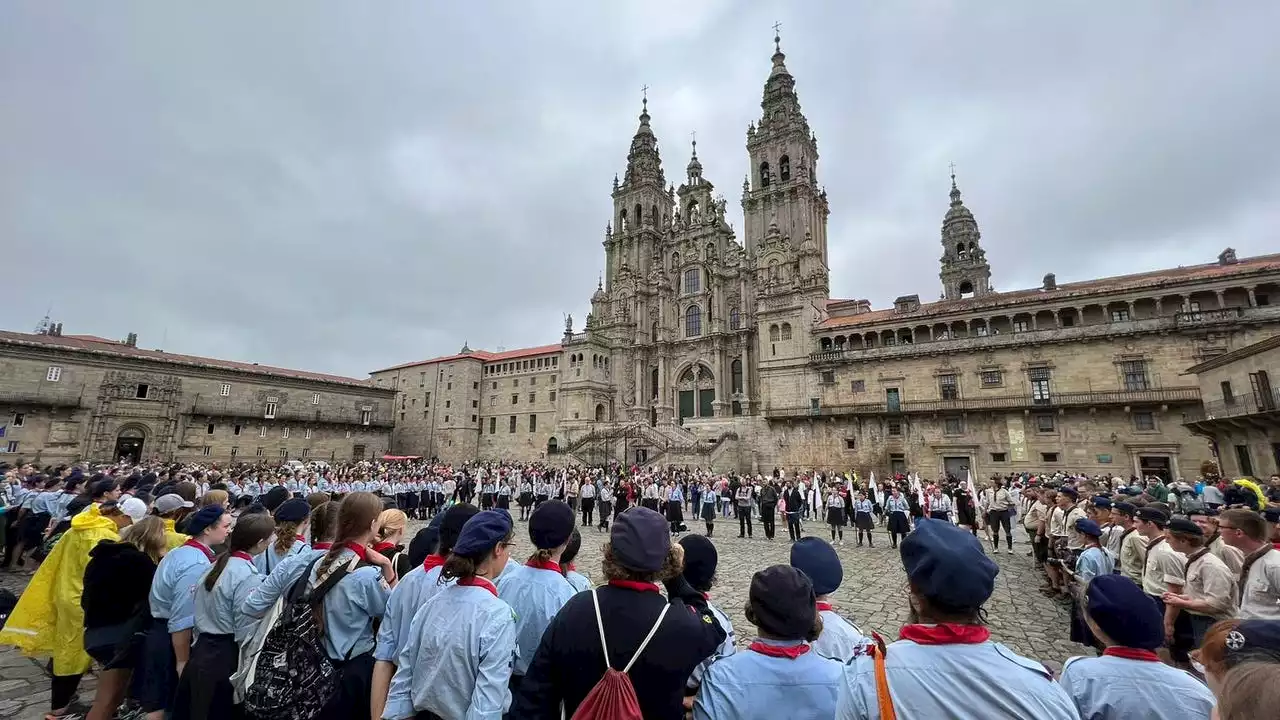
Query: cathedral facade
707, 349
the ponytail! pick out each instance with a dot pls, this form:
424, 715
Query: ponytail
463, 567
249, 531
356, 514
285, 534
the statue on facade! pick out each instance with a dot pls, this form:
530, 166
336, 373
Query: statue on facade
568, 324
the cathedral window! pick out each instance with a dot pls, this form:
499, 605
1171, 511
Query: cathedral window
735, 375
637, 214
784, 168
775, 333
693, 321
692, 280
622, 220
735, 319
764, 174
786, 331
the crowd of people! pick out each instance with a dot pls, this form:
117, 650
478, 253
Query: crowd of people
298, 592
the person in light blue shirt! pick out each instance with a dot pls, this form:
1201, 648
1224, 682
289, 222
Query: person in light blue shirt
777, 671
263, 596
412, 592
167, 644
1129, 681
353, 603
1093, 561
579, 581
292, 520
708, 499
840, 639
944, 664
537, 590
700, 561
204, 690
457, 660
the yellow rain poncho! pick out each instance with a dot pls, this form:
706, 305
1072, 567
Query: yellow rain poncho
173, 538
48, 619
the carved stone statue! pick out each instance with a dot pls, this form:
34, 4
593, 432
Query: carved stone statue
629, 387
568, 324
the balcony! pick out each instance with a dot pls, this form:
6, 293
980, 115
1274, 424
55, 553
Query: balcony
1160, 396
310, 415
1266, 404
41, 398
1209, 317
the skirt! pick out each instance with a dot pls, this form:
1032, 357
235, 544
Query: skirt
940, 515
156, 675
675, 512
835, 515
526, 499
709, 512
117, 647
651, 503
605, 509
504, 501
1080, 631
486, 499
898, 523
355, 683
864, 521
205, 691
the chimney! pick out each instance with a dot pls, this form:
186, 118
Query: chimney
131, 340
1227, 257
1050, 282
861, 306
57, 330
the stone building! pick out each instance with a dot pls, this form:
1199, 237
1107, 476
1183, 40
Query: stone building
705, 351
71, 397
1241, 411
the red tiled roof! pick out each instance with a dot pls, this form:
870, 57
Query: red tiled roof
95, 344
1155, 278
482, 355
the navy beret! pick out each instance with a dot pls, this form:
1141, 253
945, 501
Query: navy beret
454, 519
700, 559
202, 519
815, 557
1069, 491
1126, 508
274, 497
1257, 640
1124, 612
1271, 515
783, 603
1183, 525
295, 510
483, 532
640, 539
947, 565
1102, 502
1088, 527
551, 524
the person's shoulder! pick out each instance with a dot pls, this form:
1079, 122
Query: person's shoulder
1025, 663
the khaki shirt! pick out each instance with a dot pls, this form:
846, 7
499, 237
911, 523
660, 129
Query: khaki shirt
1210, 580
1075, 540
1133, 555
1057, 525
1034, 515
1162, 568
1261, 589
1233, 558
993, 499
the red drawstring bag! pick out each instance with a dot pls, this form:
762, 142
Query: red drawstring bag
614, 697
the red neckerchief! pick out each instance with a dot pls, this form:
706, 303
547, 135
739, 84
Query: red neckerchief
547, 565
477, 581
242, 555
1132, 654
321, 546
570, 567
201, 547
945, 634
383, 546
300, 539
706, 596
790, 652
433, 561
634, 585
361, 551
824, 606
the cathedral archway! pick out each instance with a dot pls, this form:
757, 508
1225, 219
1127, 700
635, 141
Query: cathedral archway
696, 391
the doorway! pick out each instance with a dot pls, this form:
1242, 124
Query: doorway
897, 463
1155, 466
956, 467
129, 445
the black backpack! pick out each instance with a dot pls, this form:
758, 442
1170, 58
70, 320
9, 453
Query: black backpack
293, 676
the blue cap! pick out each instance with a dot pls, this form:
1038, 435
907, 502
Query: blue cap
947, 565
294, 511
1257, 640
203, 518
1102, 502
483, 532
640, 540
1124, 613
815, 557
551, 524
1088, 527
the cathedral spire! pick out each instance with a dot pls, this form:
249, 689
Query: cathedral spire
965, 271
695, 168
643, 161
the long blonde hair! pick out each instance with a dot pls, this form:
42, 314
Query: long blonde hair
215, 497
148, 536
390, 522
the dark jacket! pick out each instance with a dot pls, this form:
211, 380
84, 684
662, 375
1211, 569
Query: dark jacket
569, 661
117, 581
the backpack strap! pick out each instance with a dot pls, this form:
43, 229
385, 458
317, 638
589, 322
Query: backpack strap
604, 646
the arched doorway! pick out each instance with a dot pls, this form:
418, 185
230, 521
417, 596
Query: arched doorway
600, 413
129, 444
696, 391
552, 446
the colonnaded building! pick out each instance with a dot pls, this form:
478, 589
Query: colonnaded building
704, 350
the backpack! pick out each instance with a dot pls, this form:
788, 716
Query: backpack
293, 678
614, 697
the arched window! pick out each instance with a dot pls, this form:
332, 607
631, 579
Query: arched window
960, 249
691, 211
774, 333
786, 331
600, 413
764, 174
735, 375
711, 252
693, 321
622, 219
784, 168
637, 214
675, 261
692, 280
972, 247
653, 383
653, 213
653, 335
735, 319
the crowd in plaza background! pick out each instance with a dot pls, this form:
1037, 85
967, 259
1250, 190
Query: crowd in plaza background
299, 591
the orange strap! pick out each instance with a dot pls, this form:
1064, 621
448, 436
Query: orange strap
883, 699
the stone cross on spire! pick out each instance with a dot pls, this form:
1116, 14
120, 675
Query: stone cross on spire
777, 36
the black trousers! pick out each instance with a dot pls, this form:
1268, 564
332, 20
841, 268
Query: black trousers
588, 507
793, 525
767, 513
744, 521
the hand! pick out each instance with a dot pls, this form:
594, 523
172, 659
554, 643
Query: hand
1172, 599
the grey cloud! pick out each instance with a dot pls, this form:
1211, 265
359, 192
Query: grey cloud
341, 186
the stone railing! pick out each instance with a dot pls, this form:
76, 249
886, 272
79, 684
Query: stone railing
42, 398
1004, 402
213, 408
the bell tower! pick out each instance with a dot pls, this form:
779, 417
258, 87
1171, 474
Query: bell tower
641, 205
965, 272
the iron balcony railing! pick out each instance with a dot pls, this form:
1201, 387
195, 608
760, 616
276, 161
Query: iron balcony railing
1235, 406
306, 414
1004, 402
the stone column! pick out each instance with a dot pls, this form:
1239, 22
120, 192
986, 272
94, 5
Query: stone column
639, 383
1253, 297
1221, 298
1159, 307
746, 378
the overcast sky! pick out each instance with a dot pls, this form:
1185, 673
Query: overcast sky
344, 186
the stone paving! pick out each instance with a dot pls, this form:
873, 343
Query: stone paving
873, 596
